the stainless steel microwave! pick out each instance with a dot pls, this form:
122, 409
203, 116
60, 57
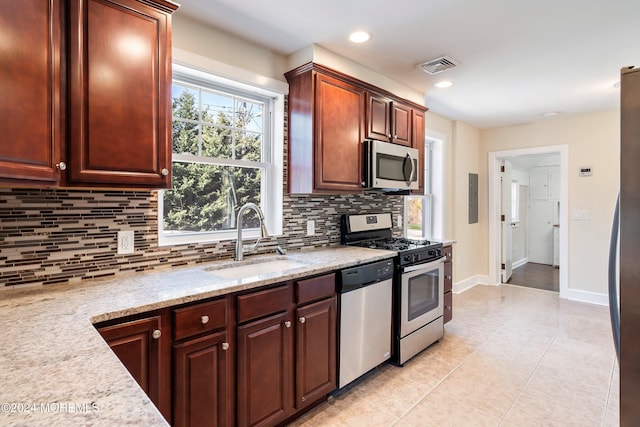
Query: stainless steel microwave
391, 167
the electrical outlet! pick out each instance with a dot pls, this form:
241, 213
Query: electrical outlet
311, 227
126, 244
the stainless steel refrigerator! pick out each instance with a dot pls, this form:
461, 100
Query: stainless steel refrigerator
628, 318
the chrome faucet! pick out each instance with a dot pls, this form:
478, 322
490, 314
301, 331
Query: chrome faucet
263, 229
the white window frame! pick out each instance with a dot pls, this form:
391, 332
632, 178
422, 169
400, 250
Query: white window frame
432, 217
271, 200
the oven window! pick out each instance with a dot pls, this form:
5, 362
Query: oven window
423, 294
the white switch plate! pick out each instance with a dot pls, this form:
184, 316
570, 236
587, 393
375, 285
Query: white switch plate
580, 215
125, 242
311, 227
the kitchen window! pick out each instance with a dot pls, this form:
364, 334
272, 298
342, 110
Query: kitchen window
225, 154
421, 211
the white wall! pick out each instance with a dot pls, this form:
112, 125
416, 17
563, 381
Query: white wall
193, 36
593, 140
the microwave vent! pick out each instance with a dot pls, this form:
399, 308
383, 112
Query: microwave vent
438, 65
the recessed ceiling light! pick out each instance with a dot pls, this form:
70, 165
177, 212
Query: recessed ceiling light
550, 114
359, 36
444, 84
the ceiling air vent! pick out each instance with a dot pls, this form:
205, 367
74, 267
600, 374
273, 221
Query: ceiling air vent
438, 65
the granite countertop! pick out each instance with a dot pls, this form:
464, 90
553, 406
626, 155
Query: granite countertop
55, 369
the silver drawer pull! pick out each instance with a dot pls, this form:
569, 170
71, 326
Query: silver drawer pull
156, 334
204, 319
287, 324
225, 346
302, 319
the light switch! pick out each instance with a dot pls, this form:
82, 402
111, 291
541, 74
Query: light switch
580, 215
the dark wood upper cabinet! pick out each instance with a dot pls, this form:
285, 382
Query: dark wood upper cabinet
330, 116
86, 93
388, 120
401, 132
32, 107
325, 134
119, 93
418, 142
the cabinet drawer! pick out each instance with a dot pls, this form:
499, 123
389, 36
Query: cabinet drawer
448, 276
199, 318
448, 253
263, 303
448, 306
315, 288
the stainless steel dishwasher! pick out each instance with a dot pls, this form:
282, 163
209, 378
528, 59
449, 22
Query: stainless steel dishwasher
365, 319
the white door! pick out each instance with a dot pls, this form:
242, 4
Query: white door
507, 257
541, 231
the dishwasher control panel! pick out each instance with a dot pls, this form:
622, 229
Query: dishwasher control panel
363, 275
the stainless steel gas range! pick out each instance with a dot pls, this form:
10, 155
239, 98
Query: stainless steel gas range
418, 283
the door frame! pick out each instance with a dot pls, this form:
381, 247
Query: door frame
495, 241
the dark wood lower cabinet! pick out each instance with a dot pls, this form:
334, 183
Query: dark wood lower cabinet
254, 359
200, 381
141, 347
264, 371
315, 351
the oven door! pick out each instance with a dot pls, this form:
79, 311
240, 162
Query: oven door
421, 295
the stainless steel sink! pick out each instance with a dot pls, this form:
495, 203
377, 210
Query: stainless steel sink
257, 267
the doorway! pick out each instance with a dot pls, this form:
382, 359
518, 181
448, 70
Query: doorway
544, 170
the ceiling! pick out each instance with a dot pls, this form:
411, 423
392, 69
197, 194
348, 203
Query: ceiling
518, 59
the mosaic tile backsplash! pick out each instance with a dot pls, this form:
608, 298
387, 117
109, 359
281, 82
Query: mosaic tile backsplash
53, 236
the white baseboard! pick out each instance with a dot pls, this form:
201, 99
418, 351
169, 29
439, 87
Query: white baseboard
470, 282
587, 296
520, 262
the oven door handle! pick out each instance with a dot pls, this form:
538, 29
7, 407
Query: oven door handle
426, 266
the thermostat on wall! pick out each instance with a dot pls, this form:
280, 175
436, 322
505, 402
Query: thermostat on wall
585, 171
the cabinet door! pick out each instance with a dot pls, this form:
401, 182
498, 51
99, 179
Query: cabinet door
539, 185
119, 86
30, 84
315, 351
401, 124
418, 142
201, 378
338, 150
139, 346
265, 371
378, 118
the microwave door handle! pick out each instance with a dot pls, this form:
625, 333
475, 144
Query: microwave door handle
408, 178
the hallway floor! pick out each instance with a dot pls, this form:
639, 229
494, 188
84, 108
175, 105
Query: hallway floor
539, 276
511, 356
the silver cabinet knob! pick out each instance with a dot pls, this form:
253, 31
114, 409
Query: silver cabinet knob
156, 334
204, 319
164, 171
302, 319
448, 277
225, 346
61, 166
364, 184
287, 324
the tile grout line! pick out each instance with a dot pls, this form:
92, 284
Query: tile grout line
606, 403
531, 375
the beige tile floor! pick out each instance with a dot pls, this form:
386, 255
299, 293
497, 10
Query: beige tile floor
512, 356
